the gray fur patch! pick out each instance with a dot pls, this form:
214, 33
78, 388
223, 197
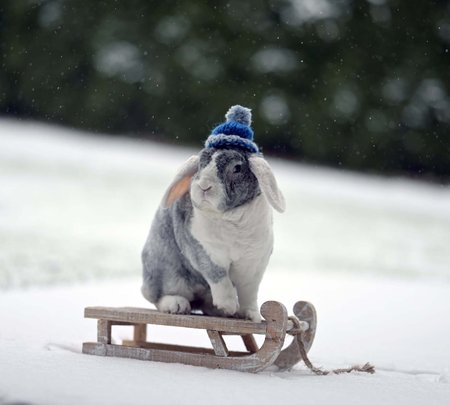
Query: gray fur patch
241, 185
174, 261
205, 157
193, 249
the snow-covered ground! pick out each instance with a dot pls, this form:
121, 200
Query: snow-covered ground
371, 254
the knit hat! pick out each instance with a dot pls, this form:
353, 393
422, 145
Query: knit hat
235, 132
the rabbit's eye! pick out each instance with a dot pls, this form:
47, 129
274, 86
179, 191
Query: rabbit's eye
237, 169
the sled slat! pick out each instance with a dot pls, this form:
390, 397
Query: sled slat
218, 343
250, 343
244, 363
150, 316
140, 332
178, 348
103, 331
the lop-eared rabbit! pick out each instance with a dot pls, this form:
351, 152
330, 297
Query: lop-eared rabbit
211, 238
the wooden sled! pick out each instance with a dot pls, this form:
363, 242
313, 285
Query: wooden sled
274, 327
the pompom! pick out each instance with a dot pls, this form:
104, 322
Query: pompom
240, 114
235, 133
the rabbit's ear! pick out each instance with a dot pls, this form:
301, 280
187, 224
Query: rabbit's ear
182, 182
267, 182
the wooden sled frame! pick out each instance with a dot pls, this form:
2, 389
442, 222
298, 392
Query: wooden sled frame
275, 326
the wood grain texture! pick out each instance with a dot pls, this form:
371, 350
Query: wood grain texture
250, 343
245, 363
140, 332
219, 346
180, 348
103, 331
151, 316
130, 315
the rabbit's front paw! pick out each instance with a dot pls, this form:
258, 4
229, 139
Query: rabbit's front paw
250, 313
174, 304
226, 301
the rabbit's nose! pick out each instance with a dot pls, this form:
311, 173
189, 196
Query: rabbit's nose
205, 189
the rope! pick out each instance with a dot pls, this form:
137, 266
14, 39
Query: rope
298, 332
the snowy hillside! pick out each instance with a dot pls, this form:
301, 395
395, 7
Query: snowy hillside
370, 253
74, 207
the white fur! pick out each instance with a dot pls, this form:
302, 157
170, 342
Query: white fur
174, 304
239, 240
267, 182
208, 180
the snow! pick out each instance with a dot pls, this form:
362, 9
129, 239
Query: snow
402, 327
370, 253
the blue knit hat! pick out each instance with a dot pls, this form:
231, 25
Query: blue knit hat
235, 132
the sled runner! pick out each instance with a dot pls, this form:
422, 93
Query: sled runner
275, 326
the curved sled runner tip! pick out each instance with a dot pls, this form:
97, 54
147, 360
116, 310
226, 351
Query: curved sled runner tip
304, 333
275, 326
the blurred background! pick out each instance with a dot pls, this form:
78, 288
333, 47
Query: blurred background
363, 85
100, 101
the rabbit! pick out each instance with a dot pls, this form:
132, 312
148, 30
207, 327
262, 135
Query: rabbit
211, 238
